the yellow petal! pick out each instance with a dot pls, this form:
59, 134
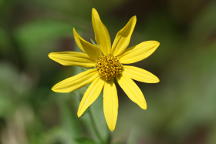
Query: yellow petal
139, 52
140, 74
72, 83
90, 95
102, 36
69, 58
110, 104
123, 37
92, 50
132, 91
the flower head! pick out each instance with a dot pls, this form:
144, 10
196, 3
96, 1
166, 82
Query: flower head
106, 66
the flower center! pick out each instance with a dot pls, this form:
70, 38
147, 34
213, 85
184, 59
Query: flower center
109, 67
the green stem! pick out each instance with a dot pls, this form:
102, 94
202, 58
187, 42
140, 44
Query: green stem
109, 138
94, 125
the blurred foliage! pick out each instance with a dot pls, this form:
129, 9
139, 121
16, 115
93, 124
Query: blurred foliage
182, 106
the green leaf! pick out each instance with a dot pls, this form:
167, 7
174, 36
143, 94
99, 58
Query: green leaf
40, 37
41, 31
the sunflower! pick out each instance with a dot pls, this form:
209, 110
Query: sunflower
106, 66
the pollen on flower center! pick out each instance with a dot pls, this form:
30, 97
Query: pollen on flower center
109, 67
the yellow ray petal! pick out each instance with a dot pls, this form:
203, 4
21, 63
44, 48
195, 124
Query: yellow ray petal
92, 50
102, 36
75, 82
70, 58
139, 52
140, 74
110, 104
123, 37
90, 95
132, 91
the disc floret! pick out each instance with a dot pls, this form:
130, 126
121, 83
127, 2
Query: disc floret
109, 67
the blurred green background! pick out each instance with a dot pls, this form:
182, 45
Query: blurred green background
181, 108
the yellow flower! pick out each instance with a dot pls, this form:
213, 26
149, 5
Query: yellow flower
106, 63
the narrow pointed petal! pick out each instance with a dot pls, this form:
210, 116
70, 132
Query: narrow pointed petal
90, 95
70, 58
140, 74
92, 50
139, 52
132, 91
72, 83
110, 104
102, 36
123, 37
